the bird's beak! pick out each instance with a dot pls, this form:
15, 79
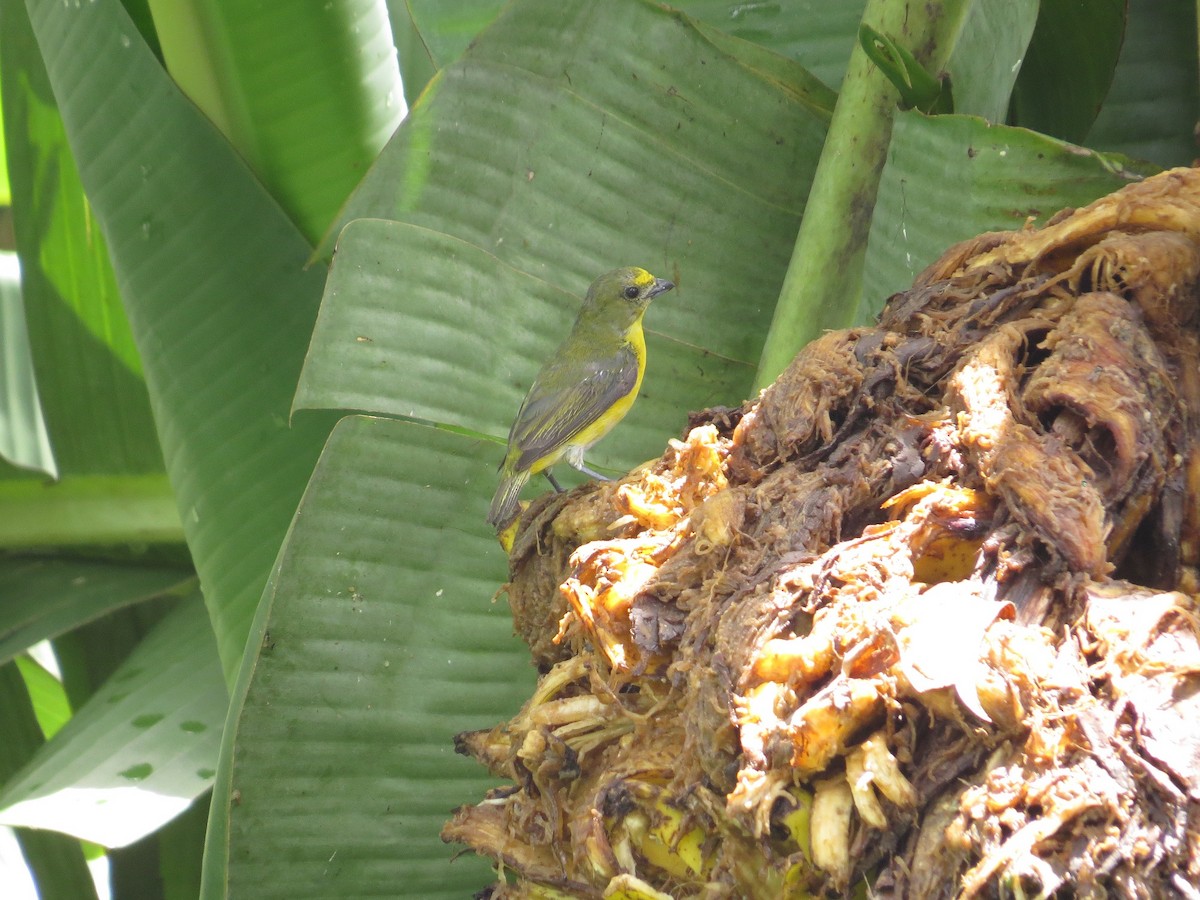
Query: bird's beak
661, 286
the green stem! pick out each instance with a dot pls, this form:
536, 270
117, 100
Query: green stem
822, 288
88, 511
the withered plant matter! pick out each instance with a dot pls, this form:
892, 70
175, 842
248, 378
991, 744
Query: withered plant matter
922, 614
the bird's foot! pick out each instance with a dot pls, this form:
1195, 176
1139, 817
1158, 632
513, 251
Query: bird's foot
591, 473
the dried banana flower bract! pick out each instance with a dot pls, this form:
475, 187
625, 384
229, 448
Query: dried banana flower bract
921, 616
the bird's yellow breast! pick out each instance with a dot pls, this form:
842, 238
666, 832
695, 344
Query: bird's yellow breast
616, 412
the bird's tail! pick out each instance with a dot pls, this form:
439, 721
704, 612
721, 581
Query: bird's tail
504, 503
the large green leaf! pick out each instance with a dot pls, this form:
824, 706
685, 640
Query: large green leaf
986, 54
307, 92
140, 751
43, 597
1069, 68
430, 34
181, 853
568, 141
377, 641
818, 35
1150, 111
23, 438
46, 695
164, 865
56, 865
211, 274
88, 370
5, 188
89, 655
993, 177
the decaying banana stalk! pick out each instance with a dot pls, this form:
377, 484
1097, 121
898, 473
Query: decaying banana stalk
922, 615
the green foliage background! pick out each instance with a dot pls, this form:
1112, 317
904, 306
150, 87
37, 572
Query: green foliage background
244, 476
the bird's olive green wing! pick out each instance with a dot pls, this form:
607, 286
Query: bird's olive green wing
565, 399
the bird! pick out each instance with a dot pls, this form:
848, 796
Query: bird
583, 390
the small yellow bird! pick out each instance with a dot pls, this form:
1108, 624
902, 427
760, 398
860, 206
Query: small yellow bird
583, 390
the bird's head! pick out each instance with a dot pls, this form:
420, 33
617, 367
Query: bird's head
625, 293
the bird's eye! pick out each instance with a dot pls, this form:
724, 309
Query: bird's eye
631, 292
